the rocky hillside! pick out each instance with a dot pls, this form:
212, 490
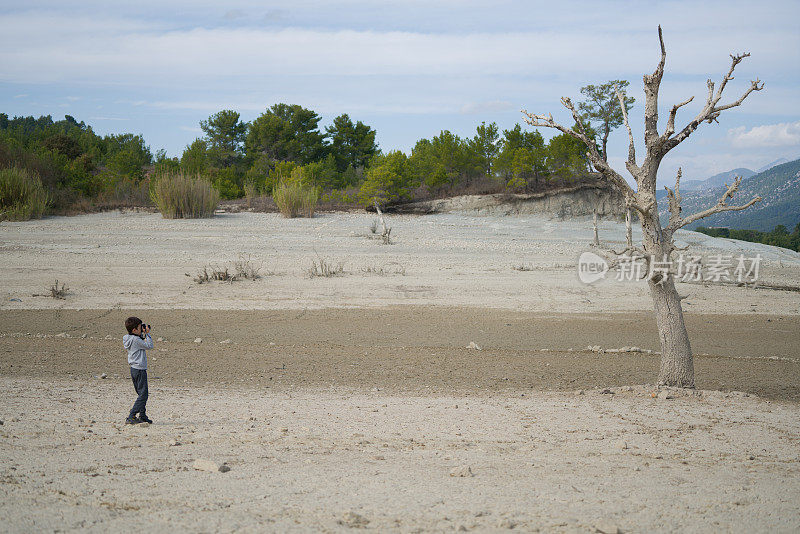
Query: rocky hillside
576, 201
778, 186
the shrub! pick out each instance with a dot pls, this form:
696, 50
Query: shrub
22, 195
294, 199
181, 196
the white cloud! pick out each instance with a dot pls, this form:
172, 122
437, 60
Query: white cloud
767, 135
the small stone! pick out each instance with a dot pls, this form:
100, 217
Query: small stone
635, 349
62, 334
83, 336
621, 445
607, 527
354, 520
473, 346
506, 523
174, 443
103, 375
461, 471
224, 341
198, 340
208, 465
462, 528
160, 339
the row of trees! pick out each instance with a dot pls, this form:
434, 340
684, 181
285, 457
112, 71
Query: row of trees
286, 143
70, 159
778, 236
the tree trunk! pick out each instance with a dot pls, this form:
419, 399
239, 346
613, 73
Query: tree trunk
677, 365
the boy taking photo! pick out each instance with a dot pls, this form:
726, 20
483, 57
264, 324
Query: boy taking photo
136, 342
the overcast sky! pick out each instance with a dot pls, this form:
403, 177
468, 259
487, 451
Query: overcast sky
407, 68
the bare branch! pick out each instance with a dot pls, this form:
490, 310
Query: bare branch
674, 196
712, 110
631, 144
671, 121
722, 205
596, 159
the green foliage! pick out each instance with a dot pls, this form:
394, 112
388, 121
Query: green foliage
484, 146
180, 196
520, 162
322, 174
351, 145
225, 133
388, 179
22, 195
779, 236
444, 161
286, 133
295, 199
195, 159
226, 182
63, 144
602, 108
566, 157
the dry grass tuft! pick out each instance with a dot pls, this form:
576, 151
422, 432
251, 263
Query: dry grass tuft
59, 292
324, 268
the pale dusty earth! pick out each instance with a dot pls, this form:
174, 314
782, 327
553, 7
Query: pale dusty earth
353, 402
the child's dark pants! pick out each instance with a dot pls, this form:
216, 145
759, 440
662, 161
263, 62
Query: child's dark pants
139, 377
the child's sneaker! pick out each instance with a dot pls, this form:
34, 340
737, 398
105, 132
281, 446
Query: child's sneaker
132, 421
144, 419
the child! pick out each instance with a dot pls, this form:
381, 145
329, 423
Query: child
136, 342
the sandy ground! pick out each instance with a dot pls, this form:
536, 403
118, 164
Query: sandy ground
354, 402
139, 260
334, 459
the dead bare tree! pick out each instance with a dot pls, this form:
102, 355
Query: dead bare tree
677, 366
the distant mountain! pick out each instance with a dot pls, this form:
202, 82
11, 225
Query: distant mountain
709, 183
768, 166
717, 180
778, 186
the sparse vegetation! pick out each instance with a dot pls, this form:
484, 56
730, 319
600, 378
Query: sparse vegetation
388, 269
59, 292
246, 269
295, 199
324, 268
242, 269
22, 195
180, 196
523, 267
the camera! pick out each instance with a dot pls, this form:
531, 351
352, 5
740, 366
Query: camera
145, 328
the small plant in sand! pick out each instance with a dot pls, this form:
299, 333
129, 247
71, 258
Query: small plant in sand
59, 292
389, 269
295, 199
250, 192
180, 196
324, 268
243, 269
22, 195
246, 269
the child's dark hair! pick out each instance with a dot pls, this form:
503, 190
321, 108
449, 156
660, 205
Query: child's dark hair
131, 323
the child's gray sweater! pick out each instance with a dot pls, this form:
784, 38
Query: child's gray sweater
136, 347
